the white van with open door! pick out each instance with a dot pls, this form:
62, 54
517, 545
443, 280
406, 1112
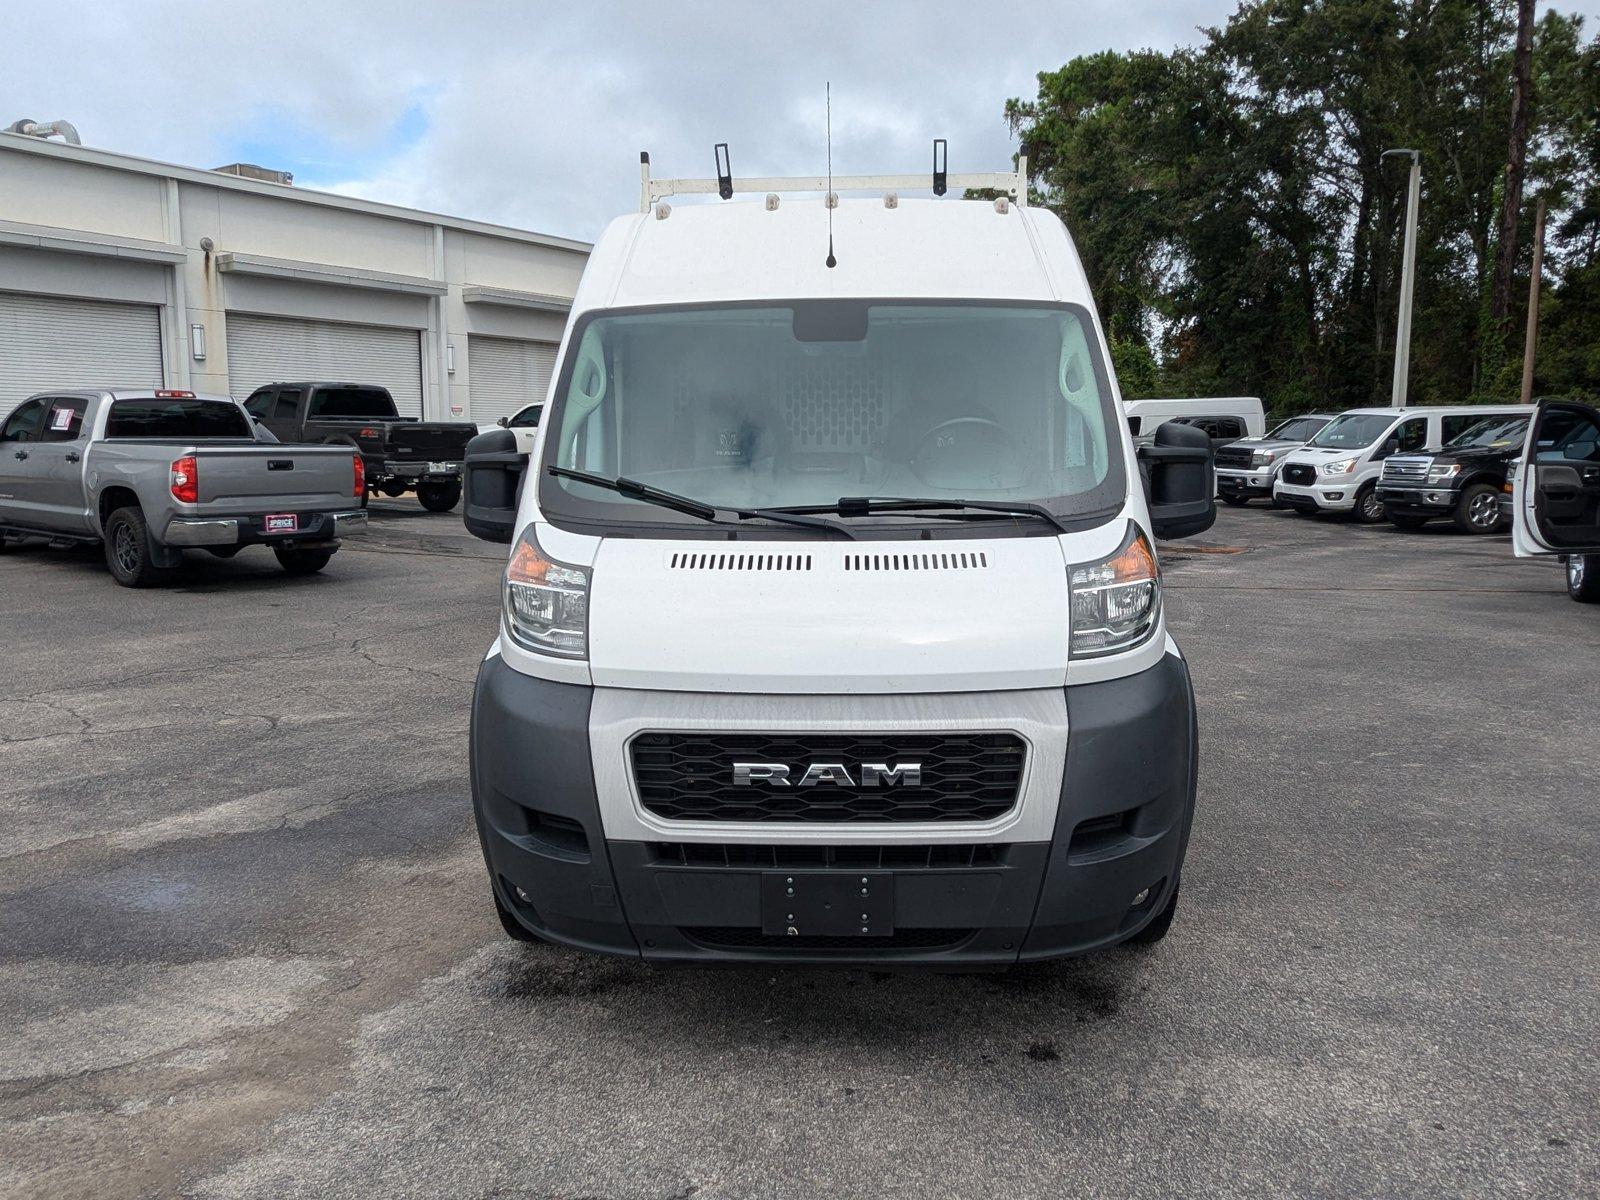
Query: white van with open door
1555, 497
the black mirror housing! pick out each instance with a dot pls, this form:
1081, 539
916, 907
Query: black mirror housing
492, 472
1179, 481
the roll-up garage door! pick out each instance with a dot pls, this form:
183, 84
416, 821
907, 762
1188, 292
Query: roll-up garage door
53, 342
269, 349
507, 374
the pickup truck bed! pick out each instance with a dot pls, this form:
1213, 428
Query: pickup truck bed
79, 477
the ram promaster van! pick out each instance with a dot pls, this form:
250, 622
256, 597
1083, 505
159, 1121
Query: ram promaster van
832, 629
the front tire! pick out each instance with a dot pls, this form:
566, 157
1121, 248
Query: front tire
1583, 578
439, 497
514, 928
301, 562
127, 547
1160, 923
1368, 508
1478, 510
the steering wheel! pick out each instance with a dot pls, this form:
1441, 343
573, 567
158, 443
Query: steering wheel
962, 450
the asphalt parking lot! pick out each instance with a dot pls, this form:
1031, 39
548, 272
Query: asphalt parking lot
246, 945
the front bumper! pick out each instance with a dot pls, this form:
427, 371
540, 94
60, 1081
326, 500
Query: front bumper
1316, 497
1419, 501
252, 530
1254, 484
1121, 828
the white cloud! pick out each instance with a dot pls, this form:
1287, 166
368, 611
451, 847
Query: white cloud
537, 111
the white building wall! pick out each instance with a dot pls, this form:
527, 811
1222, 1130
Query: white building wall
75, 221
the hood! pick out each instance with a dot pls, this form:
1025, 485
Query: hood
1480, 454
815, 617
1264, 443
1319, 454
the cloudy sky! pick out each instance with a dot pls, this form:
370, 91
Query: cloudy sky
532, 114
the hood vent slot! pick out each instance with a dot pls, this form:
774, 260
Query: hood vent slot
962, 561
740, 562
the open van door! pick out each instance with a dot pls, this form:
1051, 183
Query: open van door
1556, 498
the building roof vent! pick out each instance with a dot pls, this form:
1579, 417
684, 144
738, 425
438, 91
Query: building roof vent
28, 127
251, 171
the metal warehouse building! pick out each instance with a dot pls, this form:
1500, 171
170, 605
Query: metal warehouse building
120, 271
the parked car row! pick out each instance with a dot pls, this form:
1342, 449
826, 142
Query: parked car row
1409, 466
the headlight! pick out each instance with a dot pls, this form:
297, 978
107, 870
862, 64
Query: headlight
1342, 466
1262, 458
546, 602
1442, 474
1115, 601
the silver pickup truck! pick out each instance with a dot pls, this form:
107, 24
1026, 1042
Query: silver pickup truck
150, 473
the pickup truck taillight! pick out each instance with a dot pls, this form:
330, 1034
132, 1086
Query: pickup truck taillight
185, 480
360, 487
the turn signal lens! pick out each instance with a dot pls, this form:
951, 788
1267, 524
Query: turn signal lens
358, 487
185, 480
546, 602
1115, 601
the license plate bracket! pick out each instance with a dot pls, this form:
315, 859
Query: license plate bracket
827, 903
280, 523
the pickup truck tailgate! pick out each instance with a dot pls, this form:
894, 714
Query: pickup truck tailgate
253, 478
438, 442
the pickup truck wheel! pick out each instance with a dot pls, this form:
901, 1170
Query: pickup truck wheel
127, 544
439, 497
1160, 923
1583, 577
1478, 510
1368, 509
301, 562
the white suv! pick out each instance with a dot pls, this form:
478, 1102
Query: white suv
1338, 470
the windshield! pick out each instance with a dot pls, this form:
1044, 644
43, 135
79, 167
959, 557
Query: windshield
351, 402
802, 403
1297, 429
1353, 431
1491, 431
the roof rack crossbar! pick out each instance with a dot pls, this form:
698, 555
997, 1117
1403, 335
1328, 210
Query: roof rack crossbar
1012, 183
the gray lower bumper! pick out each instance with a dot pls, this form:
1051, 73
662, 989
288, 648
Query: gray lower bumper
232, 531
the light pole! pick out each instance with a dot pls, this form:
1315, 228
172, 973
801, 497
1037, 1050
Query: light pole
1408, 279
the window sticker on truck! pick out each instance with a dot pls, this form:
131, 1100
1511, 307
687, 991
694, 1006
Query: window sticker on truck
63, 418
281, 523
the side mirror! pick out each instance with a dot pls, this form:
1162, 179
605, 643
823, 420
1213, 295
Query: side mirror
1179, 481
502, 421
492, 472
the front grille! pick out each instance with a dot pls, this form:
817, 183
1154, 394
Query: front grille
965, 776
1406, 470
1300, 474
1235, 457
909, 857
742, 937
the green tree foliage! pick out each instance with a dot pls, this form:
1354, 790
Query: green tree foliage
1242, 230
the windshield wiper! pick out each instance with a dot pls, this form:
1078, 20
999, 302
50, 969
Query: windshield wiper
861, 506
635, 490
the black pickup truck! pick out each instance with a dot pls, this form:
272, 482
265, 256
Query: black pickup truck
1462, 481
399, 453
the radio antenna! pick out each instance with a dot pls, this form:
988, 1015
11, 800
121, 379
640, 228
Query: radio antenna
828, 200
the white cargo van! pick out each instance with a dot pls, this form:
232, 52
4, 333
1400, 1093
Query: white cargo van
1555, 496
1223, 418
1338, 470
832, 628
